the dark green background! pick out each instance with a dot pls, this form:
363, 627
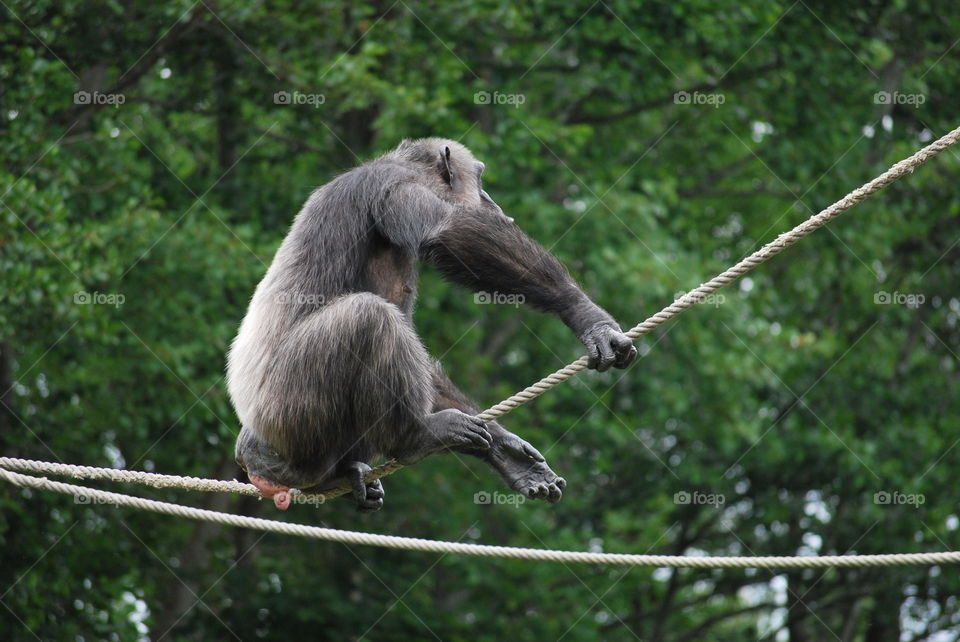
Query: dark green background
796, 396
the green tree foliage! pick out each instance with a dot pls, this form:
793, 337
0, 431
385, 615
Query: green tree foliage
149, 169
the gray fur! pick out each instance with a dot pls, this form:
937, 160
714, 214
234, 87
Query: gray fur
327, 369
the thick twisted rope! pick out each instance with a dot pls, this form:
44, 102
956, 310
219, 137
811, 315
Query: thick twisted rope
158, 480
93, 496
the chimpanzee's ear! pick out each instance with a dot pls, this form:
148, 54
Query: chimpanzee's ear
448, 171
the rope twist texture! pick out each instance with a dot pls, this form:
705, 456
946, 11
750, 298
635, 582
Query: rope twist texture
91, 496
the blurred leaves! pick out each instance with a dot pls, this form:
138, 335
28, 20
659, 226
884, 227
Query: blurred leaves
797, 396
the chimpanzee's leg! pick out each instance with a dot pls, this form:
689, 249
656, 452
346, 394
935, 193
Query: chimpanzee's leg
358, 371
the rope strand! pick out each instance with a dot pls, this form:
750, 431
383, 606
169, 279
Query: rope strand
91, 495
158, 480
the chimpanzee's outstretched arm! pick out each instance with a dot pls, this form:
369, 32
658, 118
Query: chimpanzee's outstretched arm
487, 250
482, 249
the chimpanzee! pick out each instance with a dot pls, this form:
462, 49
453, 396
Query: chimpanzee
327, 371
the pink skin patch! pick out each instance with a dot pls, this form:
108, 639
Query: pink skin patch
279, 493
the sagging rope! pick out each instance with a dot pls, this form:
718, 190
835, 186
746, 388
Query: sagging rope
91, 495
524, 396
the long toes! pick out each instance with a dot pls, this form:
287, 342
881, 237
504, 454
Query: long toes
561, 483
549, 491
536, 491
556, 493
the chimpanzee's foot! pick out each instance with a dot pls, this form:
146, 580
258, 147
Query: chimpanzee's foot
447, 430
272, 490
367, 494
524, 469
